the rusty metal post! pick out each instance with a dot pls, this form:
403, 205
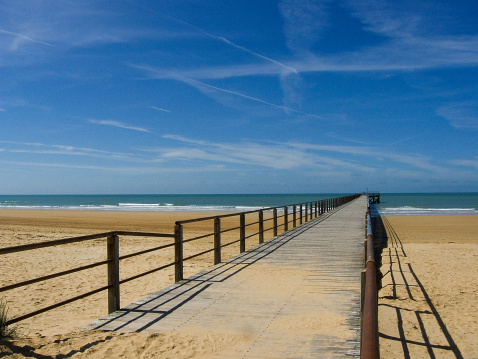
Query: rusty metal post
113, 273
178, 253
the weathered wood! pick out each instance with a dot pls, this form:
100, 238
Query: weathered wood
217, 240
178, 252
251, 291
294, 216
113, 273
242, 234
261, 227
274, 221
286, 219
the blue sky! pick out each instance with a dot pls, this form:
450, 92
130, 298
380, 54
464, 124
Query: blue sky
238, 96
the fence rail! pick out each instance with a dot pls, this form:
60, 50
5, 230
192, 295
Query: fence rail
370, 341
301, 213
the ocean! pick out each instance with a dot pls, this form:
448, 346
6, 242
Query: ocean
391, 203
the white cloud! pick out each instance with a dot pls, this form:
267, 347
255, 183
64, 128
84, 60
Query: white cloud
159, 109
303, 22
271, 155
461, 115
118, 124
473, 163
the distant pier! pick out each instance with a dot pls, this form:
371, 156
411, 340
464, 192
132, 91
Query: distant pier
374, 197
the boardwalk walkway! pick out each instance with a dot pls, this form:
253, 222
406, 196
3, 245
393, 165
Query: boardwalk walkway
295, 296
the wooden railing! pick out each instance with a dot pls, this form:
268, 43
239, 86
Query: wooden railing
288, 216
291, 216
112, 263
370, 340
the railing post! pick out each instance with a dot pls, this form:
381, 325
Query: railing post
113, 273
261, 227
242, 239
286, 219
275, 221
178, 252
217, 240
294, 216
316, 209
300, 214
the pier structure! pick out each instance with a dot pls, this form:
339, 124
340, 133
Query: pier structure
374, 197
296, 295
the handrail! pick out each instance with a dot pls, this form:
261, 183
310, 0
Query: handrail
370, 341
301, 213
112, 262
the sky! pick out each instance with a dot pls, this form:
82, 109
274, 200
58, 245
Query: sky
291, 96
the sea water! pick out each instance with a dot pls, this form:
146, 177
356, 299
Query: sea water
391, 203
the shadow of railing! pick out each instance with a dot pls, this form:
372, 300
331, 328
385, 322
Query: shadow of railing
403, 292
154, 308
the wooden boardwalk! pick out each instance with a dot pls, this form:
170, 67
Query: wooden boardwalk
295, 296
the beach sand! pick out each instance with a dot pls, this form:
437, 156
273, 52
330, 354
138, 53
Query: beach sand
427, 306
447, 272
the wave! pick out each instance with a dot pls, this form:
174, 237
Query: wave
138, 207
411, 211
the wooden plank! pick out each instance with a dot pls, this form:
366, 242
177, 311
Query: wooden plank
297, 295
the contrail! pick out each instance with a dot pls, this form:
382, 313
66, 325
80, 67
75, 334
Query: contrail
159, 109
254, 53
255, 99
223, 39
26, 38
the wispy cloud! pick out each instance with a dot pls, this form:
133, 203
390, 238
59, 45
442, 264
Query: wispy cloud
24, 37
201, 85
118, 124
158, 109
41, 148
473, 163
461, 115
242, 48
303, 22
269, 155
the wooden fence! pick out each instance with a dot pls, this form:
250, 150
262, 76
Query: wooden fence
282, 218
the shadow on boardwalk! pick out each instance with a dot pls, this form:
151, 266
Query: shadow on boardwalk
145, 314
420, 330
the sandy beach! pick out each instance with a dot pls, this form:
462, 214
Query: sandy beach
441, 251
427, 306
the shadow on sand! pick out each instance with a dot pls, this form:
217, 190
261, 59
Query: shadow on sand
420, 328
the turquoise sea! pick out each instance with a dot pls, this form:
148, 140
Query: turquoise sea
391, 203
